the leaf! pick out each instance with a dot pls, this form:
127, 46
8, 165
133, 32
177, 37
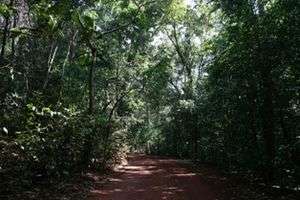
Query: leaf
177, 10
5, 130
31, 107
17, 32
53, 21
91, 14
88, 18
4, 10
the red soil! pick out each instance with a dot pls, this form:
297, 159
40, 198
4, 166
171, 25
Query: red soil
154, 178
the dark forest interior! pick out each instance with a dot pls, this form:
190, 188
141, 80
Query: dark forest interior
85, 83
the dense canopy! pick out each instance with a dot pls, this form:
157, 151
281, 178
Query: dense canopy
85, 82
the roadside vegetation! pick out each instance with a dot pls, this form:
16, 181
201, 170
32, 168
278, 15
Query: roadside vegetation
85, 82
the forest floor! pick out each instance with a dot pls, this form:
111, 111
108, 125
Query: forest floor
154, 178
160, 178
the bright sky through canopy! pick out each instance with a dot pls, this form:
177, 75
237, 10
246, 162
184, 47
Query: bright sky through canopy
190, 3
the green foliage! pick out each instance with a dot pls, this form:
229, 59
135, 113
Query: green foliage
5, 10
216, 83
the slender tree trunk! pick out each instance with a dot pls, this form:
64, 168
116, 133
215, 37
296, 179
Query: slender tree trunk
4, 39
69, 57
285, 132
50, 64
26, 82
268, 122
252, 95
109, 128
91, 108
195, 138
70, 52
92, 82
107, 132
65, 61
13, 40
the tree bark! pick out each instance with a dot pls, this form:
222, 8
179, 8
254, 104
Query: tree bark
188, 90
195, 129
13, 41
69, 58
92, 82
5, 35
252, 96
50, 64
268, 122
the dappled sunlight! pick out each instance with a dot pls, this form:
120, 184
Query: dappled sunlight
115, 180
151, 178
89, 89
142, 172
185, 175
93, 192
139, 170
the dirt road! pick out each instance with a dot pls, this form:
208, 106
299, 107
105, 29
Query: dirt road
154, 178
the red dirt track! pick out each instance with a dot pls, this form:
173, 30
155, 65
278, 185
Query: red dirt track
154, 178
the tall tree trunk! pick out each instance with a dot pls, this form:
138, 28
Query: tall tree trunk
268, 122
52, 55
26, 82
184, 59
92, 82
5, 35
284, 128
252, 96
195, 129
69, 58
91, 109
13, 41
70, 52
